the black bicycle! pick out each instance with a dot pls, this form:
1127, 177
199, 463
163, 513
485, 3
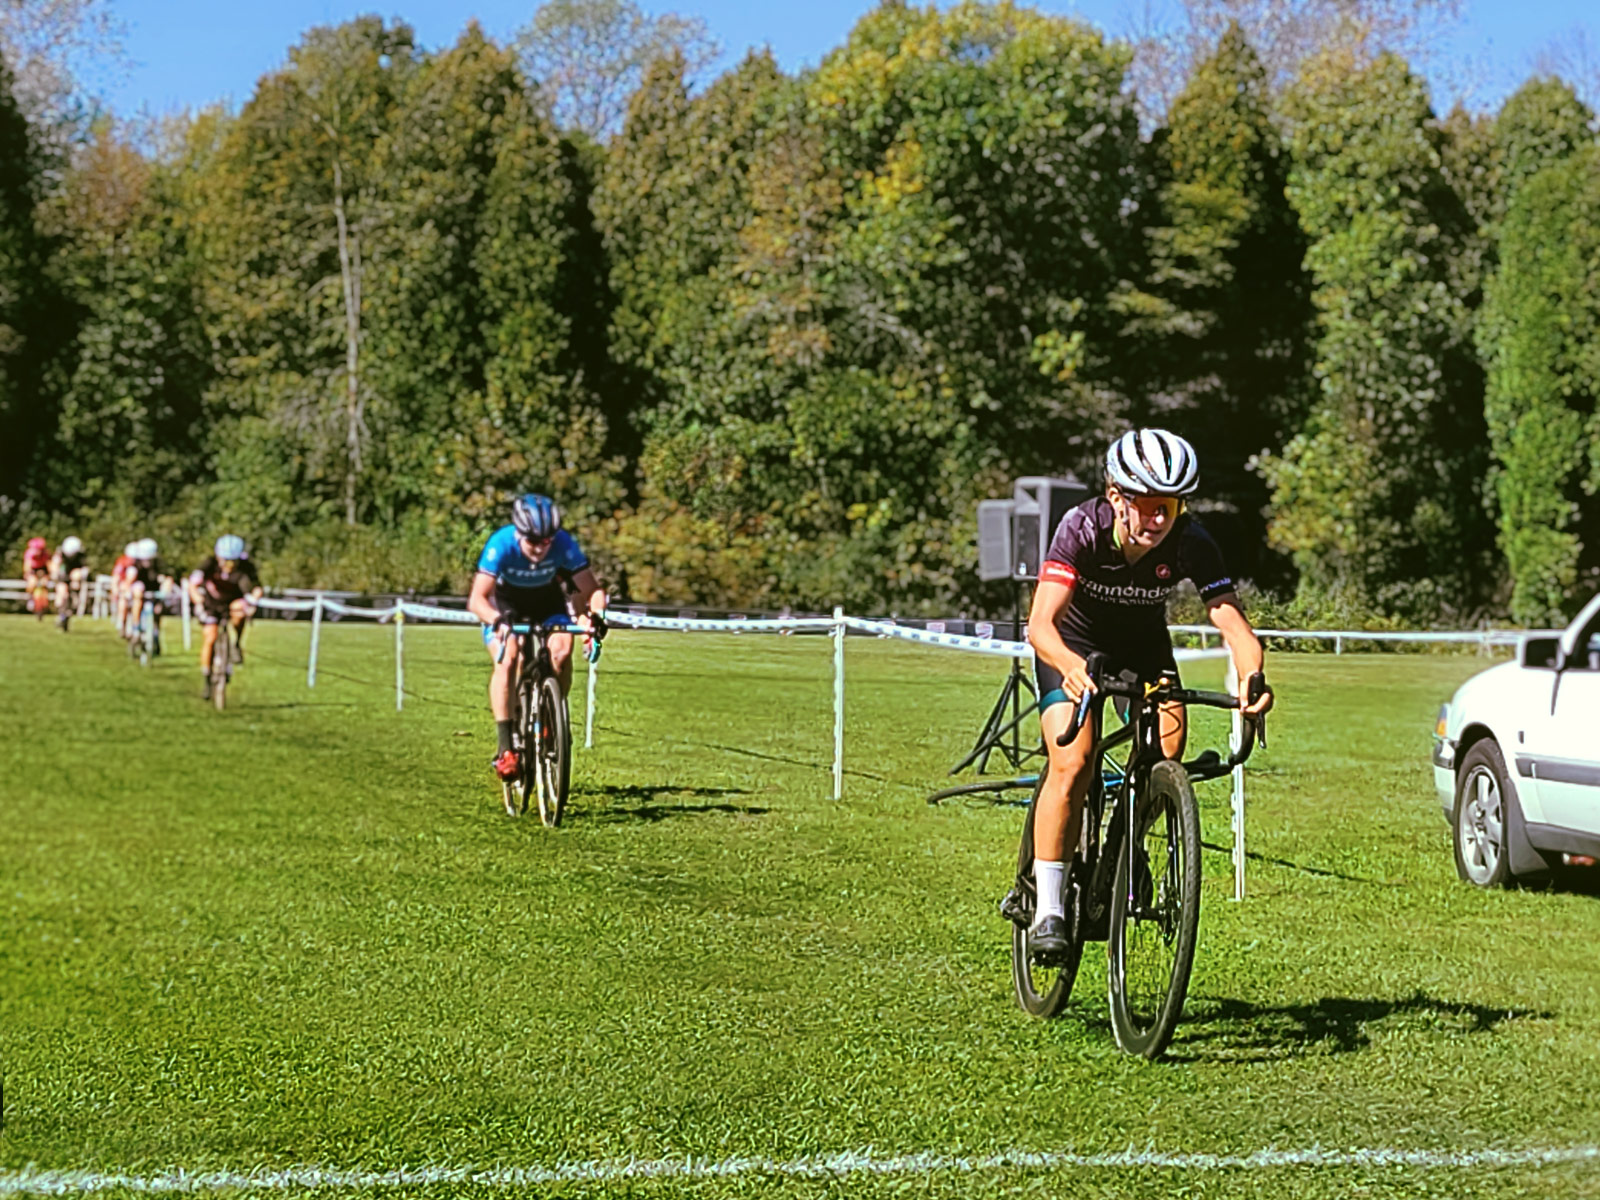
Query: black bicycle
541, 729
225, 655
1134, 882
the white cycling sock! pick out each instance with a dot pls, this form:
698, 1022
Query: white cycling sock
1048, 878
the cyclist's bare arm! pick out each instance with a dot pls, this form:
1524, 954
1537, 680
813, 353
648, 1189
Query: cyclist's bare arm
1243, 646
588, 596
1050, 600
480, 603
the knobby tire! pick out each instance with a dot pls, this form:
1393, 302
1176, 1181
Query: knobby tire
554, 752
1155, 913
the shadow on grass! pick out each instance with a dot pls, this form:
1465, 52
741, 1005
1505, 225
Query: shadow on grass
654, 808
1237, 1031
1321, 872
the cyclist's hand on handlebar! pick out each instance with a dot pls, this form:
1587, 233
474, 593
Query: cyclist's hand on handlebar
1076, 681
1255, 697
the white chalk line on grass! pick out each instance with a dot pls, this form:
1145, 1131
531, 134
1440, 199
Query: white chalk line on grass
32, 1182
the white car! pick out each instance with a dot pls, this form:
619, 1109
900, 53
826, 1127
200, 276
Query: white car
1516, 758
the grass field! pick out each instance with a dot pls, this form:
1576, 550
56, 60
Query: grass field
301, 934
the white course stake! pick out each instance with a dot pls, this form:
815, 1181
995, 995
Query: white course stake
399, 658
838, 703
183, 601
316, 636
1236, 740
588, 712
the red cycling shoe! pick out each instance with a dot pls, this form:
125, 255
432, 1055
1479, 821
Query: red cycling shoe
507, 766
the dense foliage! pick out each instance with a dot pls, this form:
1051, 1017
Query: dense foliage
773, 339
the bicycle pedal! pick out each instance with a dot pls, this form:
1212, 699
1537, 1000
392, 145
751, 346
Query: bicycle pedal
1014, 907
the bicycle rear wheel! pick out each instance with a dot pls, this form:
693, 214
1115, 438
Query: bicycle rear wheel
1042, 990
1155, 913
553, 755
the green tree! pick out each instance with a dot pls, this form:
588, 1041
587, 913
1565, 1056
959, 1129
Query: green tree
1224, 325
913, 310
1540, 329
298, 213
26, 412
1378, 497
129, 421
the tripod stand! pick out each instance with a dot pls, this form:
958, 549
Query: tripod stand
1002, 730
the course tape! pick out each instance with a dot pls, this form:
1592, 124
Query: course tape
715, 625
286, 605
858, 1162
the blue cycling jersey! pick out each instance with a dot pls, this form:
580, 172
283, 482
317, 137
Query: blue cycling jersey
503, 558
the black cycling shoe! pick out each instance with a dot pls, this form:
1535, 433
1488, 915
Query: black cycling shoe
1048, 941
1015, 908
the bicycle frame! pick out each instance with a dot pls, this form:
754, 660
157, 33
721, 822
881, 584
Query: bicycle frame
1102, 840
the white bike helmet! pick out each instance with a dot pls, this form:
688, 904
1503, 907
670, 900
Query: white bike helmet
229, 546
146, 551
1152, 462
71, 546
131, 550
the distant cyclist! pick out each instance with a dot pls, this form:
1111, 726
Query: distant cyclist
69, 567
531, 572
149, 579
121, 578
1103, 586
35, 570
223, 588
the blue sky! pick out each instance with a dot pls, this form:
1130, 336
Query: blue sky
187, 53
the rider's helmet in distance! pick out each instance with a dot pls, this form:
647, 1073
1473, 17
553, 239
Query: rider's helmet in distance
1152, 462
229, 548
37, 543
71, 546
535, 516
145, 549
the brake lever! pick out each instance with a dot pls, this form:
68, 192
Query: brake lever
1091, 668
1254, 690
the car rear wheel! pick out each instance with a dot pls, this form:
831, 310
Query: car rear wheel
1483, 800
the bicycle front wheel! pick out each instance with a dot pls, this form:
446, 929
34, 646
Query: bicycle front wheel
553, 754
1155, 913
221, 652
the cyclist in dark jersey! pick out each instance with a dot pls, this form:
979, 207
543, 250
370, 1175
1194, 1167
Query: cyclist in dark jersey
69, 567
530, 572
225, 587
1103, 587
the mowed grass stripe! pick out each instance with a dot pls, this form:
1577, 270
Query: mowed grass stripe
300, 932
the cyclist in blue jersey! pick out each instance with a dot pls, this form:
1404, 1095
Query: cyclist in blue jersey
1103, 587
531, 572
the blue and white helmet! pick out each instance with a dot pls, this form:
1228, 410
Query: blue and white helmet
536, 516
229, 546
1152, 462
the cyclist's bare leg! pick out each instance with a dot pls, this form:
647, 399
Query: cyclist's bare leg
208, 643
505, 671
1058, 815
236, 615
1174, 730
561, 659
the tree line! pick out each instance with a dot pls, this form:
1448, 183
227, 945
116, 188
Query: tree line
771, 340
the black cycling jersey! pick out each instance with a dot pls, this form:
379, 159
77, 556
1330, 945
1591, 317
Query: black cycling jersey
221, 588
73, 562
149, 574
1121, 608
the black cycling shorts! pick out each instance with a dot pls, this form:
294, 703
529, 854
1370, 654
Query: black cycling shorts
1148, 661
